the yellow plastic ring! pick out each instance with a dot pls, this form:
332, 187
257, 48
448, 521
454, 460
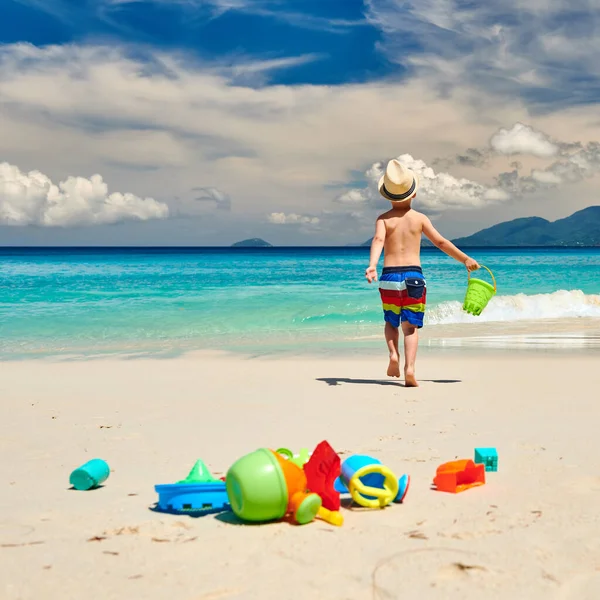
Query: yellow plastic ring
382, 496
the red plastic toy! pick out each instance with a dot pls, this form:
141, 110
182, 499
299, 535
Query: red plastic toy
322, 469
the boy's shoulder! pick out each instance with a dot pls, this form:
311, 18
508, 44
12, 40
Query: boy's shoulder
418, 215
384, 215
415, 214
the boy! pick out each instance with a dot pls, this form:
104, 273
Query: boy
402, 286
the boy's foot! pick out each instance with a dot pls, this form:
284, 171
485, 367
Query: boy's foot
409, 379
394, 366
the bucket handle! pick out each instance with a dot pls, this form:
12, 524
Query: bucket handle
493, 278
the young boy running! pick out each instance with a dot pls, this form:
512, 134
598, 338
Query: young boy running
402, 285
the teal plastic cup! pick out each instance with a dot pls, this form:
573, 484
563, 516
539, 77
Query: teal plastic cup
256, 487
90, 475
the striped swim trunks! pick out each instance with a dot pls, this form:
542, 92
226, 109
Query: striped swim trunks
403, 294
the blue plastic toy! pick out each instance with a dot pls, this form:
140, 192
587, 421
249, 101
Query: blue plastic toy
369, 482
487, 457
198, 493
192, 497
90, 475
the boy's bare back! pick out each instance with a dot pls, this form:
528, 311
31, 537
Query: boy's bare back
402, 242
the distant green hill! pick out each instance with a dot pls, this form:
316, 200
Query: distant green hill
580, 229
252, 243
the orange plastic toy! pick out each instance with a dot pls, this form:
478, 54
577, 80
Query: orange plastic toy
304, 506
458, 476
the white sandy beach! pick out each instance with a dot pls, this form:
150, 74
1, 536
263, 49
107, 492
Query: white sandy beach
532, 532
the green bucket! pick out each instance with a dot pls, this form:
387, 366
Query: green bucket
256, 487
479, 293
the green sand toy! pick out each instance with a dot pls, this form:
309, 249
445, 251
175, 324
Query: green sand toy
199, 474
256, 487
299, 459
479, 293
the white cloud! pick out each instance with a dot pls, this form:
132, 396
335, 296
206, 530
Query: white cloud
190, 122
574, 161
304, 20
279, 218
522, 139
573, 166
32, 199
252, 67
542, 50
440, 191
161, 124
437, 191
545, 177
353, 196
210, 194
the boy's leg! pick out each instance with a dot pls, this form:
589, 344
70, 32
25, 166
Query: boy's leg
411, 343
391, 338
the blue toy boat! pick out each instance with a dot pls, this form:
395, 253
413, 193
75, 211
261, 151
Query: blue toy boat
186, 498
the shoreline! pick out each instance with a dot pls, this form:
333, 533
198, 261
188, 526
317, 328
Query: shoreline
576, 334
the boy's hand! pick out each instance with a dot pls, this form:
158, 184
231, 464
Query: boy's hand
371, 274
472, 264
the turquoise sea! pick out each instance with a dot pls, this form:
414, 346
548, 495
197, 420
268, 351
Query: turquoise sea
66, 301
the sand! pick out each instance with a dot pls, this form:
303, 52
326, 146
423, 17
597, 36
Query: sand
533, 531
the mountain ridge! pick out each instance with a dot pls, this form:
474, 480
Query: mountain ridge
581, 229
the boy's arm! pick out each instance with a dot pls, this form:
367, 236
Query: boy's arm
376, 248
447, 246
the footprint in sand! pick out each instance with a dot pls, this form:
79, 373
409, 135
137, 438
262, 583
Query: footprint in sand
498, 524
159, 531
432, 573
443, 573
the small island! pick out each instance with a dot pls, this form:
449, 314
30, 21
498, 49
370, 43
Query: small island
252, 243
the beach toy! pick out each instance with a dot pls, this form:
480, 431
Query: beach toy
299, 459
322, 470
264, 486
333, 517
478, 294
458, 476
370, 483
199, 492
90, 475
199, 474
488, 457
192, 497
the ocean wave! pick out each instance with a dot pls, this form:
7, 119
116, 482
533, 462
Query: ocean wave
557, 305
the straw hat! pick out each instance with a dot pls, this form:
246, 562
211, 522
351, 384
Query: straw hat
398, 183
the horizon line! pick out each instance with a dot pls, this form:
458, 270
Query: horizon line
272, 247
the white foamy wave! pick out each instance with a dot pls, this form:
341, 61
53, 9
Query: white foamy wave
563, 304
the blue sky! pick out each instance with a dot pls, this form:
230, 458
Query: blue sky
204, 121
335, 32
